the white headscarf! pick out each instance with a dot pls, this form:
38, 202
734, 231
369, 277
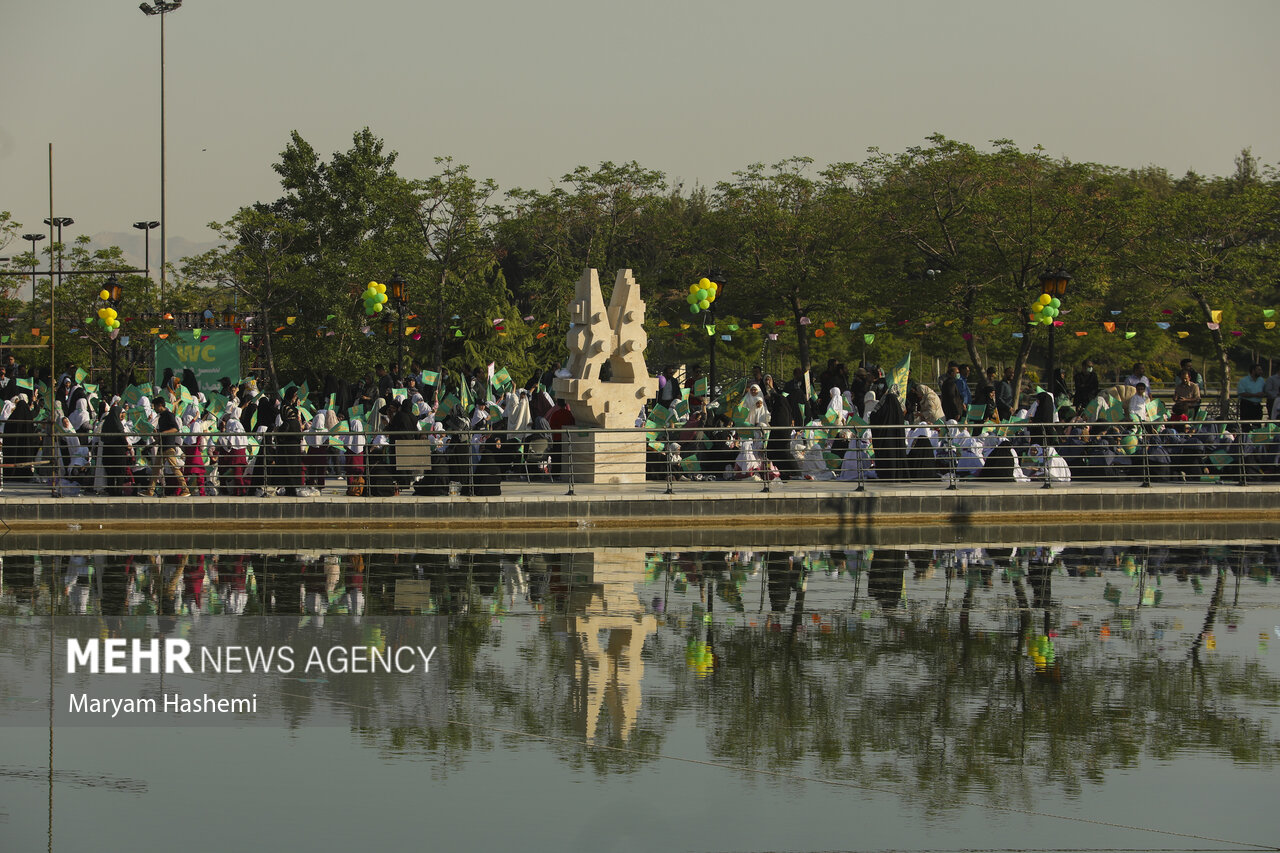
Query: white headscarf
753, 402
354, 440
80, 416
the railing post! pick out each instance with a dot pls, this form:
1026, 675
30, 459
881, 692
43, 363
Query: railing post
949, 449
567, 456
1144, 447
768, 468
666, 452
1242, 443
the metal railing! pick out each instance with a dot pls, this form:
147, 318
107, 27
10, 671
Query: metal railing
677, 457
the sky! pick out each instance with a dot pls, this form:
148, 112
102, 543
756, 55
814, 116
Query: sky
525, 92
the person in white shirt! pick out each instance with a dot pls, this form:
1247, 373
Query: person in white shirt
1139, 377
1137, 404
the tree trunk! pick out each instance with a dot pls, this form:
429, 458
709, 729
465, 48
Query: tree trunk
1020, 366
271, 359
439, 344
1224, 362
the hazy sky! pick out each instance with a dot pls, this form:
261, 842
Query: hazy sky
524, 92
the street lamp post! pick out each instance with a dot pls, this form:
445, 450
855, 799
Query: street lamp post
161, 8
33, 238
1055, 285
58, 222
145, 227
397, 287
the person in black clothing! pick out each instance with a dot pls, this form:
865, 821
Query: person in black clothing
889, 439
288, 443
116, 454
1086, 385
169, 462
782, 419
953, 407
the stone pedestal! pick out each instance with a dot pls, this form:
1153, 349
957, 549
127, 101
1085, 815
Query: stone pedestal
605, 456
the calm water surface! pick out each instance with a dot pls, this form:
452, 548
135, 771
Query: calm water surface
1012, 697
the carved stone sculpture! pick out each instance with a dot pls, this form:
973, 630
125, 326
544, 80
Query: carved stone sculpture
600, 336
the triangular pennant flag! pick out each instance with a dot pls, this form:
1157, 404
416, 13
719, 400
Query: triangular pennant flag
1212, 326
1183, 334
1268, 313
1269, 324
996, 321
1162, 325
853, 327
1216, 316
1129, 335
1081, 334
868, 339
1109, 326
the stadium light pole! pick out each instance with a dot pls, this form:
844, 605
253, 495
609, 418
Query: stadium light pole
161, 8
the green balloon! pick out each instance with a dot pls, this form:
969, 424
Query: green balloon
702, 294
1055, 302
382, 297
693, 309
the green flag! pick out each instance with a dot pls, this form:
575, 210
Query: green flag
977, 412
898, 378
430, 377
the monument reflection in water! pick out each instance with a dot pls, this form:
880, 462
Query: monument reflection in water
1007, 697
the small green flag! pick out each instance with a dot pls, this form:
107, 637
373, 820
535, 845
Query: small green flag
700, 386
977, 413
81, 373
430, 377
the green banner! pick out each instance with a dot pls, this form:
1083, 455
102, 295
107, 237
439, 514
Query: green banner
211, 356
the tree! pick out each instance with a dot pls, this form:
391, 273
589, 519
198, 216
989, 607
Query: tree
260, 264
989, 224
783, 237
1212, 241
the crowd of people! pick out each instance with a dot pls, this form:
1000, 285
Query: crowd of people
479, 429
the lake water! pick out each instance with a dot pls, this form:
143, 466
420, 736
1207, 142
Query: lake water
1124, 697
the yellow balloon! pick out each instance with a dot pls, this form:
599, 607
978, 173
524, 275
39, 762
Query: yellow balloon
111, 314
373, 285
382, 288
704, 283
104, 295
693, 288
102, 313
1045, 299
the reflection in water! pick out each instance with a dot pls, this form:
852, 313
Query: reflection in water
939, 672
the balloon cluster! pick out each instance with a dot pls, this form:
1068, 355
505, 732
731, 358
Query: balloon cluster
1045, 309
701, 295
107, 317
375, 298
1041, 651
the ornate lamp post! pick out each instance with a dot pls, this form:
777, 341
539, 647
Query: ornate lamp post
1055, 285
399, 296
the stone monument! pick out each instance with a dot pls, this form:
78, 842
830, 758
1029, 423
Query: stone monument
614, 337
